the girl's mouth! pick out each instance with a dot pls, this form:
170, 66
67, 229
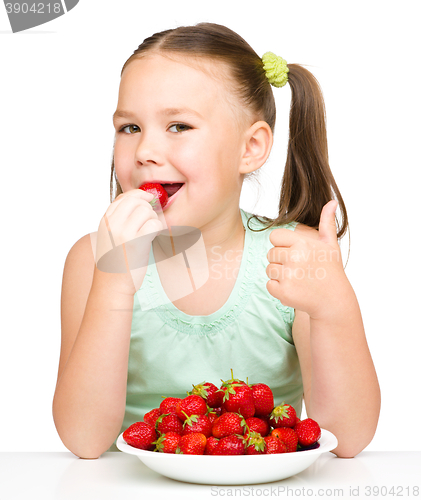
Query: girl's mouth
172, 191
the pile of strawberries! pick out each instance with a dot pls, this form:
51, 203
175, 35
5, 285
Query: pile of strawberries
235, 419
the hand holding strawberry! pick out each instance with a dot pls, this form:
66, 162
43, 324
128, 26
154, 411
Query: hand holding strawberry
160, 195
124, 239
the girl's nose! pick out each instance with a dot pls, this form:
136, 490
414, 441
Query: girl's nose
148, 152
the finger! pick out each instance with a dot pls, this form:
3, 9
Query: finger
127, 220
137, 219
274, 272
125, 206
136, 194
278, 255
327, 224
282, 237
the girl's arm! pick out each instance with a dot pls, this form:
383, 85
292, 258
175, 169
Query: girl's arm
96, 317
90, 396
341, 390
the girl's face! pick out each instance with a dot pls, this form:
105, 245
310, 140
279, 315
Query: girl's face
176, 123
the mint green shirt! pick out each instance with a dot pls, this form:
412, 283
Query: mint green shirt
251, 333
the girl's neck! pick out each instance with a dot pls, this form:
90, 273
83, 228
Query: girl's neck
218, 237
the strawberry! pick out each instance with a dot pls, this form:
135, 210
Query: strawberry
288, 436
151, 416
258, 425
211, 444
191, 405
168, 405
308, 432
228, 423
160, 194
197, 423
140, 435
192, 444
212, 416
262, 399
274, 445
238, 397
230, 445
210, 393
167, 443
256, 445
283, 416
167, 423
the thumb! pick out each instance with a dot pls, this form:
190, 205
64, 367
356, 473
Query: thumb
327, 224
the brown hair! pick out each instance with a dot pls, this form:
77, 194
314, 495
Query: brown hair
307, 183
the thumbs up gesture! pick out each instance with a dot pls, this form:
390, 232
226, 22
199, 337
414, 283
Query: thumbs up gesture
305, 268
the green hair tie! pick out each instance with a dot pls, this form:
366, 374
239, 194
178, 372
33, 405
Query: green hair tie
276, 69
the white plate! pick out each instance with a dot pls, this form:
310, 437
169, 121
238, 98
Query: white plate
222, 470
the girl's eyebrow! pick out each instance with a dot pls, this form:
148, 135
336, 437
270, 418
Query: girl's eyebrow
121, 113
179, 111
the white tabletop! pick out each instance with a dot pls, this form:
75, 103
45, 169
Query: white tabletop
60, 476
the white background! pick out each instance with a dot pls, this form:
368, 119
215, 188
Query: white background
58, 91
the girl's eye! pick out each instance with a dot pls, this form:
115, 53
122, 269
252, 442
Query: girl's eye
179, 127
132, 129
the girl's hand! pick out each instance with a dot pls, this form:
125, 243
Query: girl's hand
124, 239
307, 273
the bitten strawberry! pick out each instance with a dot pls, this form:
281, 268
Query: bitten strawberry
197, 423
160, 194
192, 444
262, 399
191, 405
308, 432
140, 435
288, 436
230, 445
168, 405
210, 393
238, 397
167, 443
283, 415
228, 423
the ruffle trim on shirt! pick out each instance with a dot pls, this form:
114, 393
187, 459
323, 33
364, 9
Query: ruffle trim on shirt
202, 328
288, 313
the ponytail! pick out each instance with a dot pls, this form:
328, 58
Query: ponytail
307, 183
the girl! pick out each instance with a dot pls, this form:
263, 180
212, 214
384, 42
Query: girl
195, 108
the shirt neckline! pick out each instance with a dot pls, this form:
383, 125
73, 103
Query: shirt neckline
170, 309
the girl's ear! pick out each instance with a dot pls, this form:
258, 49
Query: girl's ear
258, 143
